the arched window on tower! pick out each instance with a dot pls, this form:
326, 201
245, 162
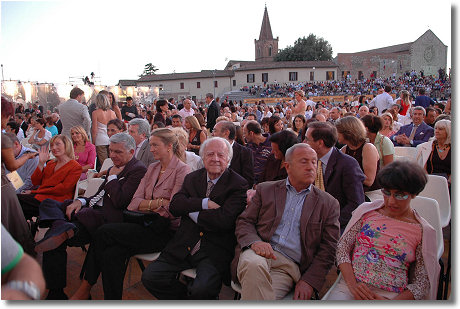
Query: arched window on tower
258, 52
270, 51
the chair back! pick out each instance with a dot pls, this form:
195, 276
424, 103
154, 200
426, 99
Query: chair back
438, 189
107, 163
408, 152
93, 186
428, 208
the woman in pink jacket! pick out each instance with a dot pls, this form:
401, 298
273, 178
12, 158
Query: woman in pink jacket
114, 243
386, 241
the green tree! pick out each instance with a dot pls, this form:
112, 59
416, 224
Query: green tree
149, 69
309, 48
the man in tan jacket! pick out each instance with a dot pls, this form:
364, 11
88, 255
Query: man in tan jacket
287, 235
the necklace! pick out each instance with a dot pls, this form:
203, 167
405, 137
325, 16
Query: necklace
441, 149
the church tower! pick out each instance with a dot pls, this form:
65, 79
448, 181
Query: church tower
266, 47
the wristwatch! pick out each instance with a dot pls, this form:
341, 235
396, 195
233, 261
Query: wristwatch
27, 287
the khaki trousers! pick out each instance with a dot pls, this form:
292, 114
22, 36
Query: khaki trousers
102, 153
266, 279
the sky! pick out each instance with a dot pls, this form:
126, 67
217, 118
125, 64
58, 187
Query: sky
53, 41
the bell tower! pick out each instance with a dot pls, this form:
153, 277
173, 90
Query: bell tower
266, 47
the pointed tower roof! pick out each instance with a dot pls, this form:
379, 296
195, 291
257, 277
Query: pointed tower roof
266, 29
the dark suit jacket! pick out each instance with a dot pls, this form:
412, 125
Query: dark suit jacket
145, 155
211, 116
25, 126
343, 179
215, 227
319, 228
273, 170
422, 134
243, 162
117, 196
58, 125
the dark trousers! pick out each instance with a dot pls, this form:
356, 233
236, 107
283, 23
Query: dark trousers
113, 245
161, 278
29, 205
55, 261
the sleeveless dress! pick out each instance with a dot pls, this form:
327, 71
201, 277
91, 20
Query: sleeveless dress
196, 141
358, 155
435, 165
102, 139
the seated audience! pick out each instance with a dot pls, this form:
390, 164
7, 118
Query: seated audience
196, 135
388, 251
242, 160
87, 214
260, 146
28, 168
382, 143
413, 134
435, 155
40, 136
56, 180
337, 173
275, 166
190, 158
287, 235
139, 129
208, 204
387, 125
352, 133
114, 243
50, 126
297, 126
14, 128
85, 152
275, 124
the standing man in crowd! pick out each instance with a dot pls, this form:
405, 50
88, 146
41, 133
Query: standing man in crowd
338, 174
129, 111
187, 110
242, 160
260, 146
213, 112
383, 101
423, 100
208, 204
414, 134
139, 129
288, 234
74, 113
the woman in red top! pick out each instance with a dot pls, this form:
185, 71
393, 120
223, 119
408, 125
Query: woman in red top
56, 180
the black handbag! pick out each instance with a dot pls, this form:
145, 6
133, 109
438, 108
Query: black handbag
146, 219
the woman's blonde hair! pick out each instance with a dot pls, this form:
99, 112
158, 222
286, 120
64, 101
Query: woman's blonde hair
79, 129
391, 118
102, 101
193, 122
352, 129
68, 145
182, 136
446, 125
168, 137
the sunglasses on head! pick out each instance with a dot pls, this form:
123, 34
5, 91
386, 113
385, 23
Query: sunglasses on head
398, 196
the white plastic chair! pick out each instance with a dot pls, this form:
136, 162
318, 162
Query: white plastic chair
328, 293
93, 186
106, 164
402, 158
190, 273
428, 208
438, 189
408, 152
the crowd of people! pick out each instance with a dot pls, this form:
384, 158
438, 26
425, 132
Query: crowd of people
270, 197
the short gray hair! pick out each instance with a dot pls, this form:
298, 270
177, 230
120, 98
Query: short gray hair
290, 151
209, 140
124, 138
143, 126
420, 108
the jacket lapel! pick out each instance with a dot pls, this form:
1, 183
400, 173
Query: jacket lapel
169, 170
330, 166
280, 193
307, 210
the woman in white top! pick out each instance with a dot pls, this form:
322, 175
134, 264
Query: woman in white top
100, 117
41, 136
191, 159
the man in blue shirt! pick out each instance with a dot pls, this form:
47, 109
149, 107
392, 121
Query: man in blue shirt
423, 100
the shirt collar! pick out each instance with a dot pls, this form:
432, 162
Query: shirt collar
325, 159
290, 187
214, 181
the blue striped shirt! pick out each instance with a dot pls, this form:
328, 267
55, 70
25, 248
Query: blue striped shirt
286, 238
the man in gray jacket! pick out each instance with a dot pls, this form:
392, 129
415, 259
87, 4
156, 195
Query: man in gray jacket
74, 113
